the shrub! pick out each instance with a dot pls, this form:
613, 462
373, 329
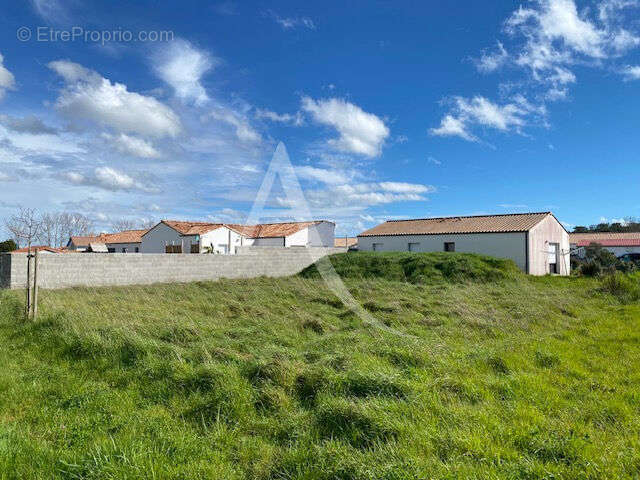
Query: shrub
591, 269
8, 246
625, 287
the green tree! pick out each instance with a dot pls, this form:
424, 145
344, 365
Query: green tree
8, 246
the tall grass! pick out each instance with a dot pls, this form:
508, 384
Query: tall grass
504, 376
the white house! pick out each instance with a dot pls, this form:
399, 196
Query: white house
128, 241
536, 242
617, 243
172, 236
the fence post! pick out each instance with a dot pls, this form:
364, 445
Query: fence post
35, 286
27, 310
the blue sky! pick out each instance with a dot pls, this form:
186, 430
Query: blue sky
387, 109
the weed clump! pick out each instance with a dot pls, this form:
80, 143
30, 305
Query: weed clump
352, 423
546, 360
626, 288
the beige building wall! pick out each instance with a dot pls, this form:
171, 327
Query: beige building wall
541, 236
501, 245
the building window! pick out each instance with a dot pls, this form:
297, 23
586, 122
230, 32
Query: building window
449, 246
124, 249
414, 247
377, 246
137, 249
111, 250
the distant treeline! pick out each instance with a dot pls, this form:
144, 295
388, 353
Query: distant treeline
628, 225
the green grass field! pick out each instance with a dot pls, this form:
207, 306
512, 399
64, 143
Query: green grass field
499, 375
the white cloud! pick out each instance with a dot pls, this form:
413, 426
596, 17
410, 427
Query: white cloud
296, 119
402, 187
87, 95
549, 38
558, 20
243, 129
557, 34
111, 179
480, 111
631, 72
289, 23
610, 9
130, 145
360, 132
433, 160
362, 195
7, 80
5, 177
562, 76
554, 94
50, 10
490, 62
451, 126
182, 66
324, 175
28, 124
39, 143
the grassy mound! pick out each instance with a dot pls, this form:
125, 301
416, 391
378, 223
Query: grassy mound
276, 379
423, 268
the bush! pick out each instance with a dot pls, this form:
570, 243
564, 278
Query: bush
591, 269
8, 246
600, 261
625, 287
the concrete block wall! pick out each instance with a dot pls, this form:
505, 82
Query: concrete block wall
95, 270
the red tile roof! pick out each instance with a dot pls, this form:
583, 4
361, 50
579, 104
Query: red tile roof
345, 241
263, 230
41, 248
192, 228
626, 239
513, 222
127, 236
271, 230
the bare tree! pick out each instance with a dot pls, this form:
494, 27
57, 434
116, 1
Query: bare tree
58, 227
25, 226
124, 224
129, 224
148, 223
51, 231
73, 224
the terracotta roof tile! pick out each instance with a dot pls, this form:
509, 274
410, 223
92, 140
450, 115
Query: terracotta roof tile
41, 248
127, 236
515, 222
272, 230
626, 239
192, 228
345, 242
263, 230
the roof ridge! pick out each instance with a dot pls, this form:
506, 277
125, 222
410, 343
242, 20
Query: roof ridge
470, 216
192, 221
